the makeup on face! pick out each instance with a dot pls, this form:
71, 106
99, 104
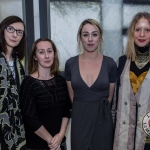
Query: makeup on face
142, 32
44, 54
12, 38
90, 37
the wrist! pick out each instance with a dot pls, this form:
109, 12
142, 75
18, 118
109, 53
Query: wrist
49, 140
61, 134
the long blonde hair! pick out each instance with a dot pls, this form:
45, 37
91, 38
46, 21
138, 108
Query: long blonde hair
96, 25
130, 47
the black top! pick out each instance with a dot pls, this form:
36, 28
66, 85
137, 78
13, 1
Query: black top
106, 76
138, 71
43, 102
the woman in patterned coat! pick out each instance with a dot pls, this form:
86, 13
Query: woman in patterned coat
132, 128
12, 50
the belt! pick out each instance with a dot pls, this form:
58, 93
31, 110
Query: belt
103, 109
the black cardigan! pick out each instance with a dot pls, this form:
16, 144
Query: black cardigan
43, 106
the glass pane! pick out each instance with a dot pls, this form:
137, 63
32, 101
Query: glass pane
65, 20
10, 7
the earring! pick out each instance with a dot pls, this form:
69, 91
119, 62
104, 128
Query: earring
35, 58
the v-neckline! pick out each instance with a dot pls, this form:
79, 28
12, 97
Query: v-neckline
97, 75
148, 72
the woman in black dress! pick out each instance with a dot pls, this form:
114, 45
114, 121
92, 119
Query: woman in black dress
44, 99
91, 79
12, 51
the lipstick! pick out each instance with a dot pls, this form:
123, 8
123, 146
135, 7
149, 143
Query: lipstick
141, 40
90, 44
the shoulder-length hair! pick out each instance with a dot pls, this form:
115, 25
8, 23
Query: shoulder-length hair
33, 64
130, 47
21, 47
96, 25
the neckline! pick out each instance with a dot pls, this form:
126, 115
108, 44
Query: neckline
142, 49
97, 75
127, 65
41, 79
11, 63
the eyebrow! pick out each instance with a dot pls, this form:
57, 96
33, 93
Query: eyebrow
15, 28
46, 49
142, 27
88, 32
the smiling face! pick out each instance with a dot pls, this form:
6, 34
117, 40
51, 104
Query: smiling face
90, 37
12, 39
142, 32
44, 54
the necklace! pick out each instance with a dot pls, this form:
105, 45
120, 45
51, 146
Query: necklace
141, 59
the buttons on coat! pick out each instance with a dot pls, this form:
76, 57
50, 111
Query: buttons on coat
123, 122
125, 103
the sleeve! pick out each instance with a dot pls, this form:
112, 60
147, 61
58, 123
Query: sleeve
27, 103
68, 70
67, 104
67, 109
34, 124
113, 71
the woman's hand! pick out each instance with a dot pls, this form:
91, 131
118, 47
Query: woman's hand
56, 141
58, 148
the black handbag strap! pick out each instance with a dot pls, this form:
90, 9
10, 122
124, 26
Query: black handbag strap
121, 64
122, 61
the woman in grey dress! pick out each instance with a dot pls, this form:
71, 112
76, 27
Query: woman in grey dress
91, 79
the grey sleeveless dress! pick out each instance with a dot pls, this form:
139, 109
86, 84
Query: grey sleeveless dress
92, 126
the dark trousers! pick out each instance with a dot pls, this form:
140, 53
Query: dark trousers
3, 145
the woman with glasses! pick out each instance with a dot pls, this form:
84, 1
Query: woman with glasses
12, 50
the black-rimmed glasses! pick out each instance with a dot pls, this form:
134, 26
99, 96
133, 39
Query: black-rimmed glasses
11, 29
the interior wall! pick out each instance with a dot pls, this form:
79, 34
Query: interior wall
8, 7
65, 21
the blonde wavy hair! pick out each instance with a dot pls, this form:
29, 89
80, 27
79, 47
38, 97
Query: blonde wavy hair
96, 25
130, 47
